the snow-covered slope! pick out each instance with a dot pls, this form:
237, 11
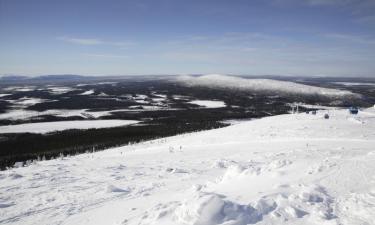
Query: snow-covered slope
288, 169
277, 86
46, 127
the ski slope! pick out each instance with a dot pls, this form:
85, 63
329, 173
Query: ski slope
287, 169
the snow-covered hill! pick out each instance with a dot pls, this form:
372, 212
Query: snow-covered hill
288, 169
269, 85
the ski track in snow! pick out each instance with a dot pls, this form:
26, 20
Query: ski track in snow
287, 169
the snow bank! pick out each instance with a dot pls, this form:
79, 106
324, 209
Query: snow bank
238, 83
210, 208
46, 127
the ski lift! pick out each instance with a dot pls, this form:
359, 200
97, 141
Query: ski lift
353, 110
326, 116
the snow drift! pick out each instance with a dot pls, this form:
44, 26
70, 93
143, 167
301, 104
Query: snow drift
260, 85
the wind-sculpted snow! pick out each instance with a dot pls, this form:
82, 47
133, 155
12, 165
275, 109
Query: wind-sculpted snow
261, 85
288, 169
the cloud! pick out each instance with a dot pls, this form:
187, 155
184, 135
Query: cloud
330, 2
94, 41
361, 11
106, 56
351, 38
81, 41
318, 2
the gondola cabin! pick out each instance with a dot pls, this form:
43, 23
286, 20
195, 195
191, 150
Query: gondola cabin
353, 110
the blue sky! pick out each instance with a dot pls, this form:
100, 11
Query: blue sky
250, 37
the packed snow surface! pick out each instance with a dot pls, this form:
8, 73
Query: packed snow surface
277, 86
208, 103
287, 169
45, 127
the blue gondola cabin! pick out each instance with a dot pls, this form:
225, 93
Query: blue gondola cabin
353, 110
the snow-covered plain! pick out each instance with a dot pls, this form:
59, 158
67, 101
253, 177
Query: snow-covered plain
25, 102
287, 169
276, 86
18, 114
208, 103
45, 127
354, 84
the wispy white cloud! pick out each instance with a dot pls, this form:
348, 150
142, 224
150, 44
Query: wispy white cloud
361, 11
318, 2
94, 41
351, 38
81, 41
332, 54
106, 56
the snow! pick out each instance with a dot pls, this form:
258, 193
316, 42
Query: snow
60, 90
276, 86
3, 95
19, 88
26, 114
89, 92
208, 103
287, 169
354, 84
45, 127
180, 97
25, 102
22, 114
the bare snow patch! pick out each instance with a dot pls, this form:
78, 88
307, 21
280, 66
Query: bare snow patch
25, 102
89, 92
354, 83
209, 103
59, 90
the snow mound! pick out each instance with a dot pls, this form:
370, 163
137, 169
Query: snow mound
210, 208
238, 83
205, 208
112, 188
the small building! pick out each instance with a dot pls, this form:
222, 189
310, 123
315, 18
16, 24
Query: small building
326, 116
